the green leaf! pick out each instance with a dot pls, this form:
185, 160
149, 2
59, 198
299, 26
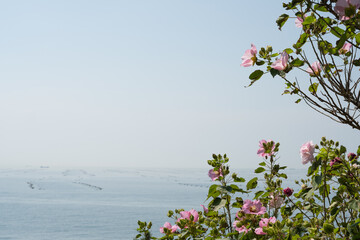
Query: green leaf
252, 183
225, 189
341, 41
337, 31
259, 63
313, 88
297, 63
220, 204
283, 175
297, 101
354, 204
258, 194
302, 40
357, 38
288, 50
262, 164
309, 20
235, 188
256, 75
274, 72
324, 46
238, 179
316, 181
342, 149
292, 4
259, 170
236, 205
356, 62
282, 20
320, 8
309, 194
213, 192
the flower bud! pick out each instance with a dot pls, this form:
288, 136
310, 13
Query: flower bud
288, 191
328, 228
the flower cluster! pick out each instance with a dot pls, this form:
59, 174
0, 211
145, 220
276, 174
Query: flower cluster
259, 218
249, 214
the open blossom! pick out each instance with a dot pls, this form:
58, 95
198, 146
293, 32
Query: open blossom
253, 207
314, 69
249, 58
187, 214
168, 226
240, 229
281, 63
307, 152
288, 191
215, 174
262, 152
276, 201
343, 5
345, 48
299, 21
264, 222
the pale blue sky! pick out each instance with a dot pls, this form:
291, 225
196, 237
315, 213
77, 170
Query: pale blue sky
145, 83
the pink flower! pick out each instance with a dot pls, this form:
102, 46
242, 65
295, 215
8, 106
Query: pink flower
253, 207
240, 229
314, 69
345, 48
259, 231
276, 201
307, 152
266, 151
352, 156
343, 5
215, 174
206, 210
335, 161
299, 21
264, 222
281, 63
168, 226
249, 58
187, 214
288, 191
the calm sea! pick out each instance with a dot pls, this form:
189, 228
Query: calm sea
45, 203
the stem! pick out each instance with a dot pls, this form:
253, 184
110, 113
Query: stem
325, 188
227, 206
299, 209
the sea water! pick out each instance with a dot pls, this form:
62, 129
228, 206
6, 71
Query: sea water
59, 204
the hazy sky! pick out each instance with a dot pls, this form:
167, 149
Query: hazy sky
145, 83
